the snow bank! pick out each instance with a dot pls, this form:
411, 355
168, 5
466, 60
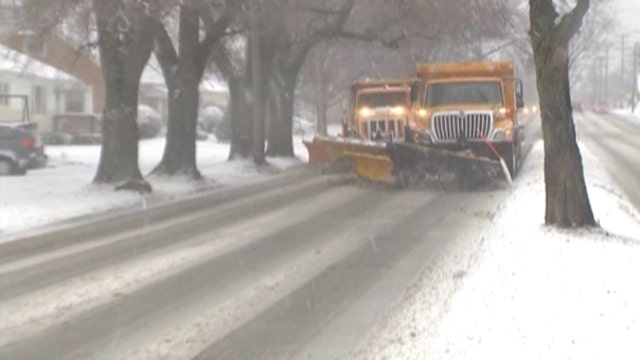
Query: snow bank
531, 292
62, 190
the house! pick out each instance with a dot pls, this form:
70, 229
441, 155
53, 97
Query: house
49, 91
213, 91
61, 79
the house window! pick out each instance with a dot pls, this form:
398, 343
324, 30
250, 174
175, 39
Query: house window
4, 90
39, 100
74, 101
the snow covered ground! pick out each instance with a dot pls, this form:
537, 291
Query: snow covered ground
520, 290
62, 190
628, 113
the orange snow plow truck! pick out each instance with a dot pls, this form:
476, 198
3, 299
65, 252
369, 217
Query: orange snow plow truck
456, 117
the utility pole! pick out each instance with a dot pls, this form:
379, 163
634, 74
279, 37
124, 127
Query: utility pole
602, 73
606, 77
594, 78
634, 82
622, 70
256, 77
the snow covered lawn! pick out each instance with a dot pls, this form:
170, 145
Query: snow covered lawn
63, 190
527, 291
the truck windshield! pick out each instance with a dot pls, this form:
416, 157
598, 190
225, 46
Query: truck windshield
458, 93
384, 99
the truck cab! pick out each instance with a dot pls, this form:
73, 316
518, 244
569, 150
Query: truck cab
380, 110
470, 106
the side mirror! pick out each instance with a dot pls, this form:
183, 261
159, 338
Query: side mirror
519, 94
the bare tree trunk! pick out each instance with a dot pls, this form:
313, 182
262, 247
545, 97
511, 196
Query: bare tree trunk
321, 91
125, 47
182, 75
179, 155
256, 82
281, 126
240, 120
567, 201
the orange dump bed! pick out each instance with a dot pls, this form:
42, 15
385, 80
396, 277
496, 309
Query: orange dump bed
430, 72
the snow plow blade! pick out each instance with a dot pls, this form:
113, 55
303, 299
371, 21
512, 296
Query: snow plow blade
413, 163
324, 150
371, 167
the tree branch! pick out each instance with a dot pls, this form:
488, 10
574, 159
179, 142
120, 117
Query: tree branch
215, 29
163, 48
570, 23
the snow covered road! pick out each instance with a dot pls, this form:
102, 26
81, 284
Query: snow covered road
282, 273
615, 141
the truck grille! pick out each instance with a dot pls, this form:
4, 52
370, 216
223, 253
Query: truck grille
393, 128
449, 126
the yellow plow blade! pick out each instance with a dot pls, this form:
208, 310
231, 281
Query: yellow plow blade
378, 168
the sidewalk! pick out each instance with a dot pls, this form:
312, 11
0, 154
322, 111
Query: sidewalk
527, 291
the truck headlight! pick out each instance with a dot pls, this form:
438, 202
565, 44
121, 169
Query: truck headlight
365, 112
399, 110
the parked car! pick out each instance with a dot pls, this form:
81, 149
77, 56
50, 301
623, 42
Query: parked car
87, 139
600, 108
57, 138
578, 106
20, 149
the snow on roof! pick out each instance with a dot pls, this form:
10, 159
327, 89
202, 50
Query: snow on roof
21, 64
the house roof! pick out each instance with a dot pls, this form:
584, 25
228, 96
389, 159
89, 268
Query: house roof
21, 64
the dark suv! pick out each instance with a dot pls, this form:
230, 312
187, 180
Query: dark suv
20, 149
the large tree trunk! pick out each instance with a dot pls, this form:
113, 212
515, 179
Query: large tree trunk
321, 90
240, 120
124, 51
179, 155
280, 141
182, 75
567, 200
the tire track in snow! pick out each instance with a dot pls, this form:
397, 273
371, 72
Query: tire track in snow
24, 316
31, 273
93, 331
209, 321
